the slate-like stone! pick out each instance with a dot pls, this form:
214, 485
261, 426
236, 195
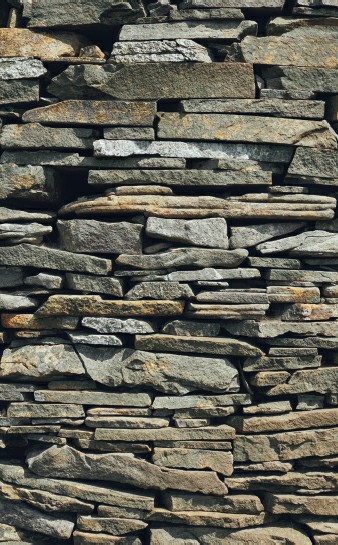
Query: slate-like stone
27, 255
180, 257
152, 50
218, 461
323, 380
313, 164
247, 236
94, 284
200, 518
45, 280
190, 328
126, 133
21, 91
111, 525
244, 128
21, 68
295, 78
285, 446
167, 373
275, 328
28, 183
167, 434
176, 501
90, 236
67, 462
284, 51
152, 81
197, 345
212, 30
306, 109
100, 340
11, 277
31, 321
93, 112
117, 325
56, 13
40, 362
36, 136
103, 399
208, 233
21, 516
94, 305
27, 43
32, 233
160, 290
315, 505
41, 410
311, 243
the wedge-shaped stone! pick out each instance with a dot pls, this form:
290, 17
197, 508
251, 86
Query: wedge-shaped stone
21, 516
291, 421
160, 290
218, 461
286, 446
21, 68
116, 325
198, 345
16, 302
115, 526
32, 233
155, 81
208, 535
222, 433
56, 13
221, 311
27, 255
272, 363
40, 362
176, 501
28, 183
247, 236
295, 78
204, 518
315, 505
244, 128
168, 373
95, 284
19, 91
66, 462
30, 321
311, 243
292, 481
9, 215
90, 236
304, 312
200, 402
186, 178
26, 43
307, 109
275, 328
210, 233
36, 136
93, 112
18, 475
91, 538
94, 305
323, 380
285, 51
193, 30
101, 399
176, 50
180, 257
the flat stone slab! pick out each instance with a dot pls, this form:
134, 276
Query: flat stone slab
21, 68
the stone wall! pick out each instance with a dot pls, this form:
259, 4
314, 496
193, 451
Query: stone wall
168, 272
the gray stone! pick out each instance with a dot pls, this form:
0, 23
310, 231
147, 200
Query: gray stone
36, 136
14, 68
126, 422
190, 328
310, 243
40, 362
252, 4
21, 516
198, 257
307, 109
67, 462
246, 128
212, 30
292, 78
221, 432
247, 236
167, 50
308, 402
117, 325
99, 237
272, 407
100, 340
317, 277
19, 91
205, 14
322, 380
272, 363
186, 177
49, 281
56, 13
33, 233
102, 399
218, 461
28, 183
126, 133
198, 345
274, 263
275, 328
233, 297
312, 164
291, 481
94, 284
315, 505
11, 277
176, 501
9, 215
213, 274
160, 290
16, 302
155, 81
210, 233
111, 525
48, 410
167, 373
28, 255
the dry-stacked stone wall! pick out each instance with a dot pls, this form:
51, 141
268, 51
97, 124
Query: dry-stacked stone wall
168, 272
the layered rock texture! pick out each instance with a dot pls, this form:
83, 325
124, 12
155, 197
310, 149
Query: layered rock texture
168, 272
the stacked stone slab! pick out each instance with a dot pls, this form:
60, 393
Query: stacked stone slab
168, 272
